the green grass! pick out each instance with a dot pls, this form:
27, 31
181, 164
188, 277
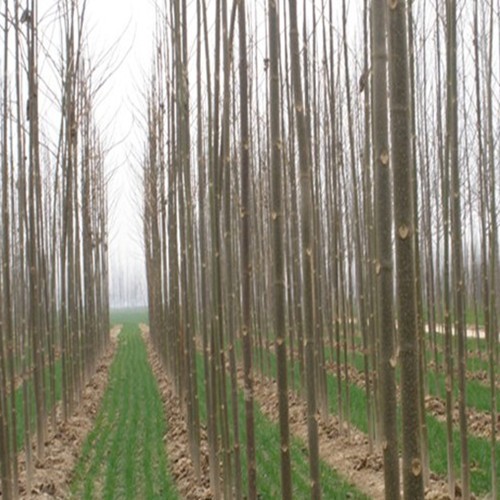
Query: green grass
470, 316
21, 410
474, 363
471, 343
267, 441
129, 315
478, 395
124, 456
118, 316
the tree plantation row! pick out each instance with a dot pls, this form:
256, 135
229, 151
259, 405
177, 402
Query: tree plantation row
320, 187
54, 319
319, 204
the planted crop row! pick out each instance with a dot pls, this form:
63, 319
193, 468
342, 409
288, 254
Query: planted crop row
124, 456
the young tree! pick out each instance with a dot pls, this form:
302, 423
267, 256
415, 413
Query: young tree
277, 222
8, 462
384, 258
307, 250
405, 264
456, 230
246, 258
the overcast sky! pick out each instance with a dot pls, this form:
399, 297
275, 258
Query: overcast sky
120, 41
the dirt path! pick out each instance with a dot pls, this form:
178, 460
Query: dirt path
176, 439
470, 331
52, 476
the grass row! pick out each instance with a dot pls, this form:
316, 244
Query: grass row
32, 410
478, 395
267, 440
479, 449
49, 398
474, 362
124, 456
267, 446
267, 432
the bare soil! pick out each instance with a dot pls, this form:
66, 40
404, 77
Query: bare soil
52, 476
176, 439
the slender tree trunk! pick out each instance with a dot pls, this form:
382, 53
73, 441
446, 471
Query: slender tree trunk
8, 461
246, 258
277, 221
384, 258
307, 251
405, 252
456, 232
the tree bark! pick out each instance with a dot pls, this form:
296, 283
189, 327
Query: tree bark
405, 253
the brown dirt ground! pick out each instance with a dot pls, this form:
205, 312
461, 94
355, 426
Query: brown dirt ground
52, 476
176, 439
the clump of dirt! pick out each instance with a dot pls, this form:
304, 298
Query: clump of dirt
52, 476
482, 376
355, 376
176, 440
478, 423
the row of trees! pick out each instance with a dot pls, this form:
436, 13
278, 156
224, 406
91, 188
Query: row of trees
54, 292
321, 183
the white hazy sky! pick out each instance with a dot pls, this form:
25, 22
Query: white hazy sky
121, 31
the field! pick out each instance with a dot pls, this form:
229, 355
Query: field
128, 451
302, 201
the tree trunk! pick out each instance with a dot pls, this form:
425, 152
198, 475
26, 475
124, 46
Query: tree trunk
384, 258
405, 252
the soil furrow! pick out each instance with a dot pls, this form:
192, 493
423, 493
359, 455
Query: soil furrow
176, 440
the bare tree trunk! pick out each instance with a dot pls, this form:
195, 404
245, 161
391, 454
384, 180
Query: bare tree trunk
307, 252
405, 256
446, 269
7, 439
277, 221
421, 347
246, 257
384, 259
34, 237
456, 232
492, 335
